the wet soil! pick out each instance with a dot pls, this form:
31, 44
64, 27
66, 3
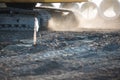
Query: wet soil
86, 55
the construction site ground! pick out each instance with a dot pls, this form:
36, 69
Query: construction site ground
85, 55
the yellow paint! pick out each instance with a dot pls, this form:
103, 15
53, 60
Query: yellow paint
31, 1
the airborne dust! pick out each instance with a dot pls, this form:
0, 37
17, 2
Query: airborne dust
87, 16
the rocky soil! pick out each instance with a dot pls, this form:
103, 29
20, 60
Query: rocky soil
86, 55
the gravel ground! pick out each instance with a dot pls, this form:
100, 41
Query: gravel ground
87, 55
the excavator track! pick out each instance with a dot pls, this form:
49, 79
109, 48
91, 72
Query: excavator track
15, 19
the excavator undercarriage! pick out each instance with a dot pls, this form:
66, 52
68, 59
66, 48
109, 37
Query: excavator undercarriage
21, 14
22, 18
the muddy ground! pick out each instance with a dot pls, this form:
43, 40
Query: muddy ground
83, 55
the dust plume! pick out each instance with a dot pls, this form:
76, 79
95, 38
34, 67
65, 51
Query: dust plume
87, 19
63, 22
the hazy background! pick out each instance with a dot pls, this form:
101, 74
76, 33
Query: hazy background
87, 16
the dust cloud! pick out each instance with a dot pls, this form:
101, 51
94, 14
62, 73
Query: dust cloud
87, 19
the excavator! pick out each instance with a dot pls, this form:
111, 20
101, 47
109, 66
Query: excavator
20, 14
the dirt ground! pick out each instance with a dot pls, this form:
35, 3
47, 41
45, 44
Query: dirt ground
86, 55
